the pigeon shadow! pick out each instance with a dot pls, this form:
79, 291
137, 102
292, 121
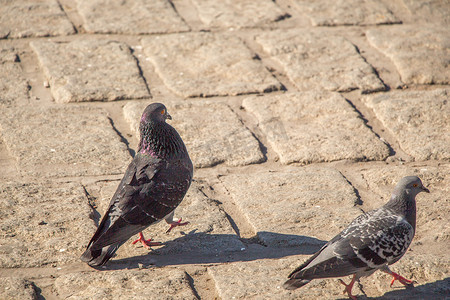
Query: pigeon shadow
439, 289
203, 248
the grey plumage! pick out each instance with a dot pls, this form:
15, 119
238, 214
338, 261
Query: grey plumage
372, 241
154, 184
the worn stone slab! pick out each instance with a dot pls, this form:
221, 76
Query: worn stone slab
314, 127
130, 16
212, 132
429, 11
238, 13
33, 18
8, 54
125, 284
420, 54
344, 12
207, 64
13, 87
12, 288
63, 141
208, 233
264, 280
420, 121
432, 209
285, 207
90, 70
315, 59
42, 223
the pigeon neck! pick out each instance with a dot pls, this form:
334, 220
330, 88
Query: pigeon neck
403, 204
159, 139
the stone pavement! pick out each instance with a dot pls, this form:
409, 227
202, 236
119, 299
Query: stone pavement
297, 115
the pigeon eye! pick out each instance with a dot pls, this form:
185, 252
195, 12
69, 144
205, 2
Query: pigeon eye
415, 185
163, 111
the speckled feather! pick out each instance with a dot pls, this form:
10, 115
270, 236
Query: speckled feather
372, 241
154, 184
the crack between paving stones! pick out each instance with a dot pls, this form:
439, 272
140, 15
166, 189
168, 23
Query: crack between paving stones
392, 152
179, 15
385, 86
192, 285
229, 218
272, 70
95, 215
122, 138
251, 240
358, 201
67, 17
38, 292
141, 73
401, 153
262, 147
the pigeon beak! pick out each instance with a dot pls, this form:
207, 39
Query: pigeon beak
168, 116
425, 189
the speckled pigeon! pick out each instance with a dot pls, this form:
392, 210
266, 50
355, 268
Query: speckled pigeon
154, 184
372, 241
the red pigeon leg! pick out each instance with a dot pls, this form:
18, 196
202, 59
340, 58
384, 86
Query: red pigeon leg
348, 287
147, 243
401, 279
174, 224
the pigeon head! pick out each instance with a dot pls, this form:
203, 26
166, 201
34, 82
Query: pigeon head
155, 112
403, 199
409, 185
158, 138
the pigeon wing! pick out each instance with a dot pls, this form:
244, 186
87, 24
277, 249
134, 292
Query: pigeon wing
371, 241
156, 190
112, 227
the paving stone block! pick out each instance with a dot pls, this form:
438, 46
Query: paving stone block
42, 223
238, 13
90, 70
429, 11
420, 120
208, 232
33, 18
420, 53
125, 284
13, 87
286, 207
207, 64
8, 54
130, 16
344, 12
314, 127
12, 288
315, 59
263, 279
63, 141
212, 132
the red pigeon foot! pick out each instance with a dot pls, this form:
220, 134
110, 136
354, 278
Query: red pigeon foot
402, 280
175, 224
348, 287
146, 243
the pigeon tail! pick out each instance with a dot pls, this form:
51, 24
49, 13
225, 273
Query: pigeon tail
96, 258
293, 284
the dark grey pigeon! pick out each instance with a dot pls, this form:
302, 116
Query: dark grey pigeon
154, 184
372, 241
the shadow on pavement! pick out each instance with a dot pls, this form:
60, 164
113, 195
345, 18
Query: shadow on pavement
202, 248
434, 290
